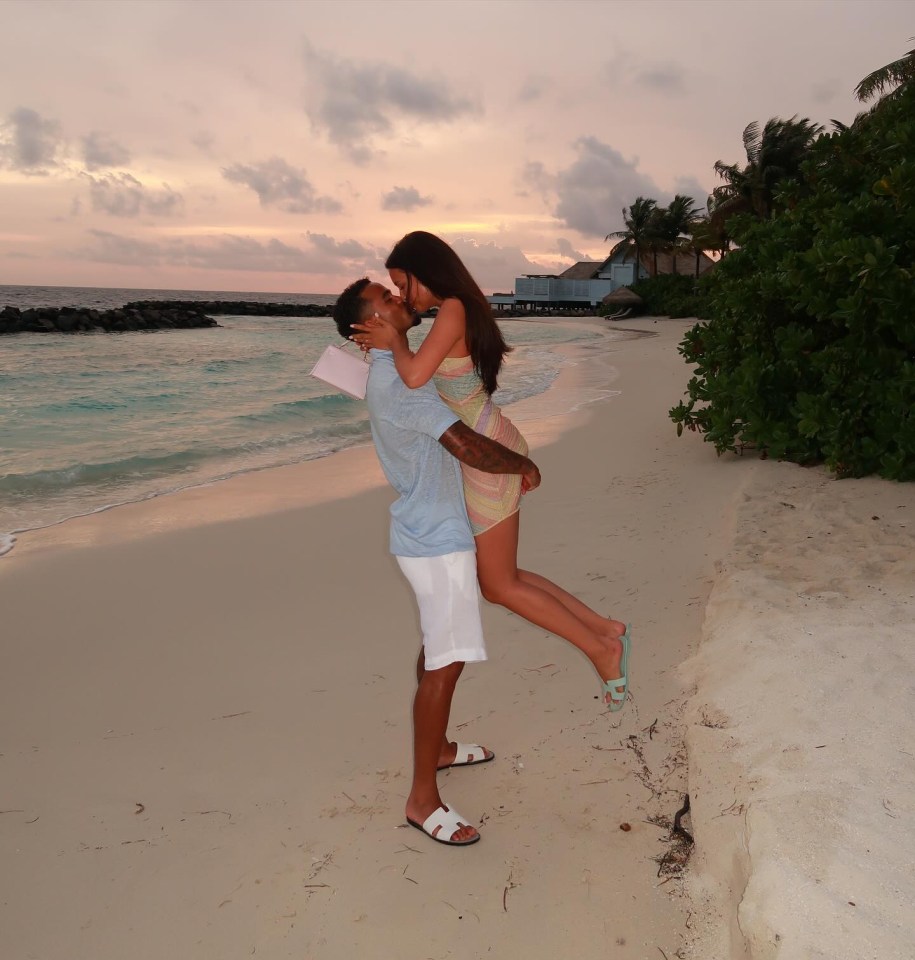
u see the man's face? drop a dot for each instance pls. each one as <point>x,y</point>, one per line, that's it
<point>389,307</point>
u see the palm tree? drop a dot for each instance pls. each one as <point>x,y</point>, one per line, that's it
<point>889,80</point>
<point>719,234</point>
<point>674,221</point>
<point>705,235</point>
<point>657,242</point>
<point>774,154</point>
<point>640,221</point>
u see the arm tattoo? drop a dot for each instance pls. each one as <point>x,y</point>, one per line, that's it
<point>478,451</point>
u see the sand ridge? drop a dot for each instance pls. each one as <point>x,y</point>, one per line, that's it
<point>802,769</point>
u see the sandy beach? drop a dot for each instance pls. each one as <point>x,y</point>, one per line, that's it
<point>205,703</point>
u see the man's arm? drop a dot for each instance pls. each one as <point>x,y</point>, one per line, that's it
<point>487,455</point>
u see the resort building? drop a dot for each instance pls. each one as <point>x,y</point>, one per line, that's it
<point>585,284</point>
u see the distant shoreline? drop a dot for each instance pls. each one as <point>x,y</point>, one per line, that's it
<point>241,303</point>
<point>184,314</point>
<point>106,298</point>
<point>145,315</point>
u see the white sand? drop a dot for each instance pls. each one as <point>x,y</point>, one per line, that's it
<point>204,705</point>
<point>802,732</point>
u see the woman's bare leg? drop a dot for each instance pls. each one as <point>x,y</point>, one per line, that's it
<point>544,603</point>
<point>581,610</point>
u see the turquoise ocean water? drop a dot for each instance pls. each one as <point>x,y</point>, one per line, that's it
<point>88,421</point>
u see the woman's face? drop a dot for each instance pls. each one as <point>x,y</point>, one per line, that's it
<point>416,295</point>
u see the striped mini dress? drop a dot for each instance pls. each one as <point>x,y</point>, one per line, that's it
<point>490,497</point>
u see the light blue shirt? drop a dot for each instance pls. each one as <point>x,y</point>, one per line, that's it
<point>430,518</point>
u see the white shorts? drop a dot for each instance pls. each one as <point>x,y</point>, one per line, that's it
<point>449,607</point>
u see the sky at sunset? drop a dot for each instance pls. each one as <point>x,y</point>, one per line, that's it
<point>285,146</point>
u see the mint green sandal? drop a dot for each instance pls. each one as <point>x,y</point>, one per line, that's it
<point>617,699</point>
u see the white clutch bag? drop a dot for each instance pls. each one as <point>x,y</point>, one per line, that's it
<point>345,371</point>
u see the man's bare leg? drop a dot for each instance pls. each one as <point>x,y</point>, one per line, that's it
<point>431,708</point>
<point>448,750</point>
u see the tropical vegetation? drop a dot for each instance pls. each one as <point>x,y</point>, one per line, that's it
<point>807,349</point>
<point>672,295</point>
<point>654,229</point>
<point>640,221</point>
<point>774,154</point>
<point>888,82</point>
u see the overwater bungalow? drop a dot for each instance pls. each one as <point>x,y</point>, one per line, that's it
<point>586,283</point>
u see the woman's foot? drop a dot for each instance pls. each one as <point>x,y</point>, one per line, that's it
<point>608,663</point>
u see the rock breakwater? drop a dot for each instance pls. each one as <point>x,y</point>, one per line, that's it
<point>83,320</point>
<point>145,315</point>
<point>248,308</point>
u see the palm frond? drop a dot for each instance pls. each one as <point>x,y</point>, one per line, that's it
<point>751,140</point>
<point>727,171</point>
<point>887,78</point>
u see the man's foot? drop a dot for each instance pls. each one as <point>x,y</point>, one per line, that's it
<point>462,755</point>
<point>608,666</point>
<point>444,825</point>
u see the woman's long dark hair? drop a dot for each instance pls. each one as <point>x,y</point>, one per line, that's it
<point>429,259</point>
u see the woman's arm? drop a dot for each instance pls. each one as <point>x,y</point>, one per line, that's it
<point>415,369</point>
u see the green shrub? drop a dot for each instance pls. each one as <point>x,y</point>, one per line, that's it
<point>808,353</point>
<point>672,295</point>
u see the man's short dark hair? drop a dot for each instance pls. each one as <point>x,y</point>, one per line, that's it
<point>349,307</point>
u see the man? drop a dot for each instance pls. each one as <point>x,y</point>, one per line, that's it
<point>417,439</point>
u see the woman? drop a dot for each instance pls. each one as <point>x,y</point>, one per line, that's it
<point>463,354</point>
